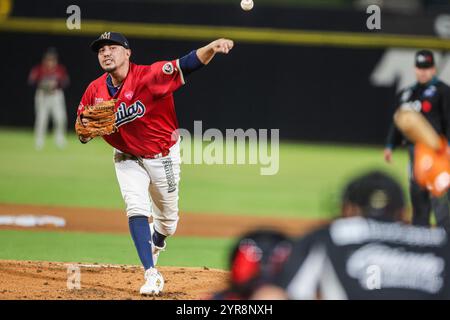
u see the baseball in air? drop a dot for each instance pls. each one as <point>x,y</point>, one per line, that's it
<point>247,5</point>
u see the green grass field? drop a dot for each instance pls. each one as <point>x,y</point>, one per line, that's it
<point>83,176</point>
<point>307,185</point>
<point>109,248</point>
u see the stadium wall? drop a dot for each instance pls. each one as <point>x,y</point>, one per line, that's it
<point>308,86</point>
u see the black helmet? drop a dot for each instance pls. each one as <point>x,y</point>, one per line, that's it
<point>377,195</point>
<point>257,257</point>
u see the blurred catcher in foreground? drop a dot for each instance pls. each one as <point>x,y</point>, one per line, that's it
<point>367,254</point>
<point>255,260</point>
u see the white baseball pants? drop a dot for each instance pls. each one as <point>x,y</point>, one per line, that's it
<point>149,187</point>
<point>50,105</point>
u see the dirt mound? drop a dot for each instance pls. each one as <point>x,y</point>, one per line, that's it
<point>51,280</point>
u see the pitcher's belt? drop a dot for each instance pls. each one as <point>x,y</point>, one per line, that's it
<point>120,156</point>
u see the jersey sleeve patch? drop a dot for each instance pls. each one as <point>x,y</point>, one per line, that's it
<point>168,68</point>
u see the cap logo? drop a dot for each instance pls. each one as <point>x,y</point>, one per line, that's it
<point>421,58</point>
<point>106,35</point>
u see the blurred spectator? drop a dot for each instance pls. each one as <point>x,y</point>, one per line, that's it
<point>255,259</point>
<point>367,254</point>
<point>49,78</point>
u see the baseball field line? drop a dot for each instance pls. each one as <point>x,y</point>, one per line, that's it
<point>241,34</point>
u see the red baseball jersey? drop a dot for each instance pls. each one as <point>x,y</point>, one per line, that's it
<point>40,73</point>
<point>145,109</point>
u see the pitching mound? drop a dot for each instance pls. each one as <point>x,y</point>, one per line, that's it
<point>51,280</point>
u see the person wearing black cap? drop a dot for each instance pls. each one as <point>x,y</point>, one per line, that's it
<point>430,97</point>
<point>146,140</point>
<point>369,253</point>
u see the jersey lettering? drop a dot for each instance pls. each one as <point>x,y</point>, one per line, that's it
<point>125,115</point>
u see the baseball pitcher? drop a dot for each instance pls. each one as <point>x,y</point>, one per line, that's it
<point>132,107</point>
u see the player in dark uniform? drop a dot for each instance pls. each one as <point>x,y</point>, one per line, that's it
<point>254,261</point>
<point>367,254</point>
<point>431,97</point>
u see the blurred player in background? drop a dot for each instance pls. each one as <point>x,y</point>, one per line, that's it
<point>49,78</point>
<point>367,254</point>
<point>430,97</point>
<point>254,261</point>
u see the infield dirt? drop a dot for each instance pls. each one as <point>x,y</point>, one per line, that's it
<point>48,280</point>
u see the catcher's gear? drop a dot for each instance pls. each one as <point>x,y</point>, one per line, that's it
<point>432,168</point>
<point>97,120</point>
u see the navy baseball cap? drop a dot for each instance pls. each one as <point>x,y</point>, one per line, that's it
<point>424,59</point>
<point>110,38</point>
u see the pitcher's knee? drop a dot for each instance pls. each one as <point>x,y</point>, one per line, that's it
<point>137,211</point>
<point>166,227</point>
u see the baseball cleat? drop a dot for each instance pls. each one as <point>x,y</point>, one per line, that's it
<point>155,249</point>
<point>154,283</point>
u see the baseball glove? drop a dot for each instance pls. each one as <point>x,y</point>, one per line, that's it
<point>97,120</point>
